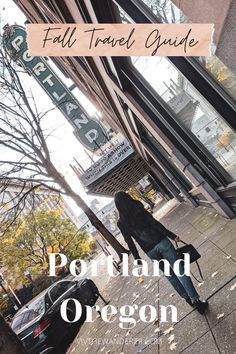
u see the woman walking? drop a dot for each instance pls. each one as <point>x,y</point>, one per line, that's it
<point>135,222</point>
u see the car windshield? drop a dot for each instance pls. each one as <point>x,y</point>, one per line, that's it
<point>30,312</point>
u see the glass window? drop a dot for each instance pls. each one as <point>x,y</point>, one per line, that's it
<point>33,310</point>
<point>192,111</point>
<point>59,289</point>
<point>164,157</point>
<point>220,73</point>
<point>166,11</point>
<point>24,318</point>
<point>124,17</point>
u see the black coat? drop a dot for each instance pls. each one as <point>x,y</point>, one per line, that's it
<point>146,231</point>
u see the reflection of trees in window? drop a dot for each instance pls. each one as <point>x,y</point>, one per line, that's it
<point>166,11</point>
<point>221,73</point>
<point>191,109</point>
<point>124,18</point>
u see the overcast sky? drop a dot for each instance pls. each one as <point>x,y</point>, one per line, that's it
<point>63,146</point>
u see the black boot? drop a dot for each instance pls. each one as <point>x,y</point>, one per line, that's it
<point>201,305</point>
<point>189,301</point>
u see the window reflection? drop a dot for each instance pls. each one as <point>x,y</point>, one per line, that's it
<point>124,17</point>
<point>220,73</point>
<point>167,12</point>
<point>191,109</point>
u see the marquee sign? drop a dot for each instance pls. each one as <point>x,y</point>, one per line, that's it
<point>88,130</point>
<point>107,162</point>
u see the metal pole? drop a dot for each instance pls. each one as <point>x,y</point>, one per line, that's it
<point>90,157</point>
<point>14,294</point>
<point>5,290</point>
<point>79,165</point>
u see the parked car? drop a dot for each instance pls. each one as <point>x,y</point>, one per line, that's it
<point>39,323</point>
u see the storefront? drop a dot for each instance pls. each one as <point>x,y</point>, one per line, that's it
<point>178,113</point>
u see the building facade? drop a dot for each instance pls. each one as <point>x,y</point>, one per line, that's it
<point>39,199</point>
<point>177,112</point>
<point>107,214</point>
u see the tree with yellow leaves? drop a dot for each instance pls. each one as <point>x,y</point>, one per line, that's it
<point>28,242</point>
<point>222,74</point>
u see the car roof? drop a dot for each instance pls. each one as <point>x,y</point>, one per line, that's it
<point>25,307</point>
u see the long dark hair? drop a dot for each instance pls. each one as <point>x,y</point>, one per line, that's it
<point>131,211</point>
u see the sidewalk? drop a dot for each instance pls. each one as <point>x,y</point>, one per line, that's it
<point>215,238</point>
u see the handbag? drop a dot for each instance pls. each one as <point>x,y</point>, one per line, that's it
<point>193,253</point>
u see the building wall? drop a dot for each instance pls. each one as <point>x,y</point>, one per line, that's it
<point>40,200</point>
<point>108,216</point>
<point>226,49</point>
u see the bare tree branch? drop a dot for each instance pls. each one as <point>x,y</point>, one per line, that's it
<point>31,167</point>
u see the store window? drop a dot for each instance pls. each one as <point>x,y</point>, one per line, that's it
<point>167,12</point>
<point>163,156</point>
<point>220,73</point>
<point>191,110</point>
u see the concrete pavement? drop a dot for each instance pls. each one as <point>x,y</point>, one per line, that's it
<point>213,333</point>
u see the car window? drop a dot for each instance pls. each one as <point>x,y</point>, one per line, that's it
<point>38,306</point>
<point>59,289</point>
<point>30,312</point>
<point>19,321</point>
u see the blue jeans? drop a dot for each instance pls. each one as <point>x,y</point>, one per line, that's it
<point>183,285</point>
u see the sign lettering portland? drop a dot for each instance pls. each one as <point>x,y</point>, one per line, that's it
<point>88,130</point>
